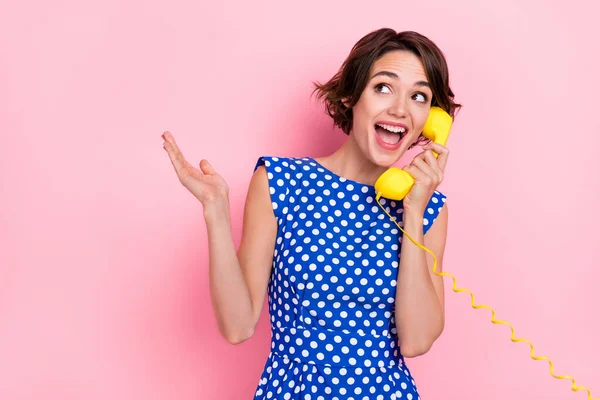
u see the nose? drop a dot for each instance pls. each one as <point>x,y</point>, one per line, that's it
<point>398,107</point>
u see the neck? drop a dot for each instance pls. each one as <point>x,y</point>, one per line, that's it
<point>351,163</point>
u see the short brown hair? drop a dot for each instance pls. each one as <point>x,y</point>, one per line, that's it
<point>349,82</point>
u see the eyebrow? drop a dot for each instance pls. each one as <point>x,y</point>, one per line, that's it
<point>395,76</point>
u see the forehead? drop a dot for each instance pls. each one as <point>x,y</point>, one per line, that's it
<point>403,63</point>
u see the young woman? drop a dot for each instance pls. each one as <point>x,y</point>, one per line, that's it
<point>348,298</point>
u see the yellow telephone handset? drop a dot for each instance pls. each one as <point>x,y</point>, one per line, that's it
<point>395,183</point>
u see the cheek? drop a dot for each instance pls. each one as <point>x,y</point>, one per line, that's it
<point>419,119</point>
<point>370,105</point>
<point>361,117</point>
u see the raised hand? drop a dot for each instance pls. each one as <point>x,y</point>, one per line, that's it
<point>204,183</point>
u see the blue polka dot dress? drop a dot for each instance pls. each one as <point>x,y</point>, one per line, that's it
<point>332,288</point>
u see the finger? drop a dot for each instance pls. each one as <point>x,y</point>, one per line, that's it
<point>422,165</point>
<point>177,164</point>
<point>442,152</point>
<point>176,154</point>
<point>416,172</point>
<point>206,167</point>
<point>428,174</point>
<point>168,137</point>
<point>422,156</point>
<point>430,159</point>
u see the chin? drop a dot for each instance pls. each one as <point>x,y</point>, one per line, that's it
<point>385,160</point>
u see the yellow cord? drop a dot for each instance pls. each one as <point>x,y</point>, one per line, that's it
<point>494,320</point>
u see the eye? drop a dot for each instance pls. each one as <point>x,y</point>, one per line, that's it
<point>381,87</point>
<point>422,97</point>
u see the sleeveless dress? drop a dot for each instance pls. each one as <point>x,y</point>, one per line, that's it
<point>332,287</point>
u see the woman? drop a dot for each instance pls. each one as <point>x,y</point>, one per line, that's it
<point>348,298</point>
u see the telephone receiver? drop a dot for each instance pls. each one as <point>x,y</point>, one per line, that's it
<point>395,183</point>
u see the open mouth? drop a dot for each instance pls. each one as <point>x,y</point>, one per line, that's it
<point>390,134</point>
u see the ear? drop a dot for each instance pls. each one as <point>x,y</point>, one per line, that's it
<point>346,102</point>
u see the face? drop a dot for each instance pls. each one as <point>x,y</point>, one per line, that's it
<point>392,109</point>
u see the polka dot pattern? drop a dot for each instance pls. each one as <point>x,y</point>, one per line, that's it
<point>332,287</point>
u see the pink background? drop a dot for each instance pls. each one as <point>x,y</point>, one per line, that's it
<point>103,260</point>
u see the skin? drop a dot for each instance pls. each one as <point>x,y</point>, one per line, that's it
<point>239,279</point>
<point>396,93</point>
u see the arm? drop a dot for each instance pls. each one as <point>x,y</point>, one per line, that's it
<point>419,292</point>
<point>238,281</point>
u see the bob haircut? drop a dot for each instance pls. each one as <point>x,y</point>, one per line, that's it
<point>349,82</point>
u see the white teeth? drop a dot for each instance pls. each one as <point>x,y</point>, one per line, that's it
<point>395,129</point>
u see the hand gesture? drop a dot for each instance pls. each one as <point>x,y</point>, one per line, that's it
<point>204,183</point>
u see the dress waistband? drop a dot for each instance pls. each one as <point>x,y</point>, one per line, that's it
<point>335,348</point>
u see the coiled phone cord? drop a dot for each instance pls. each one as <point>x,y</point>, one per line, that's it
<point>574,387</point>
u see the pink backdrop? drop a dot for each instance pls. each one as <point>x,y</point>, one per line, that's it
<point>103,260</point>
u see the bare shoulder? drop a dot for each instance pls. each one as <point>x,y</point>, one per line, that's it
<point>258,197</point>
<point>259,180</point>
